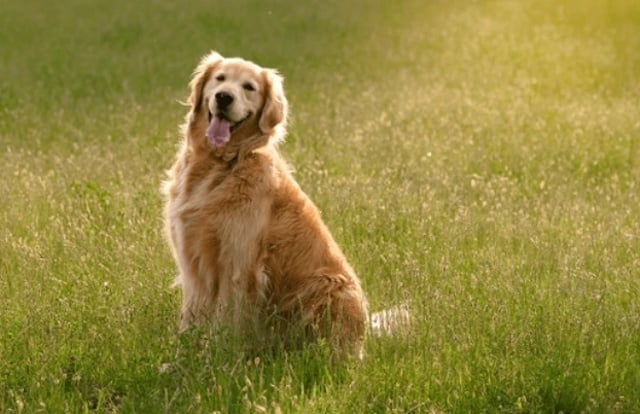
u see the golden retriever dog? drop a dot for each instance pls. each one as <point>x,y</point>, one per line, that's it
<point>250,246</point>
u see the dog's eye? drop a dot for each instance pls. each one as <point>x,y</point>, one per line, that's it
<point>220,77</point>
<point>249,87</point>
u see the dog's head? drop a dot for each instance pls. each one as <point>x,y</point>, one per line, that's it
<point>233,100</point>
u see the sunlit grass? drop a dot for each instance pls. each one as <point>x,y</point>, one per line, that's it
<point>478,160</point>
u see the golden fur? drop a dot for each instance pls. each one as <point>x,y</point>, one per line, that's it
<point>249,244</point>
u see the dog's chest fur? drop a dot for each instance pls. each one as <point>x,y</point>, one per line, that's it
<point>216,214</point>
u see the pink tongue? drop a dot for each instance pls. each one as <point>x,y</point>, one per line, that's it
<point>218,132</point>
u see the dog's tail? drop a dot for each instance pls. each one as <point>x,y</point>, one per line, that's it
<point>391,321</point>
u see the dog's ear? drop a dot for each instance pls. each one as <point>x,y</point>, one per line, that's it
<point>274,110</point>
<point>200,76</point>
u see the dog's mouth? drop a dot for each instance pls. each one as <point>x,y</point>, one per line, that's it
<point>221,127</point>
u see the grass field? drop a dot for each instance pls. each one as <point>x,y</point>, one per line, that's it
<point>480,160</point>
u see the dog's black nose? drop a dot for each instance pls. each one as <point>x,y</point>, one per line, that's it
<point>223,99</point>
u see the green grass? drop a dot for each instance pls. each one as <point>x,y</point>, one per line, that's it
<point>479,159</point>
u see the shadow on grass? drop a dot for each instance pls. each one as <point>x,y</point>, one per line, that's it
<point>218,371</point>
